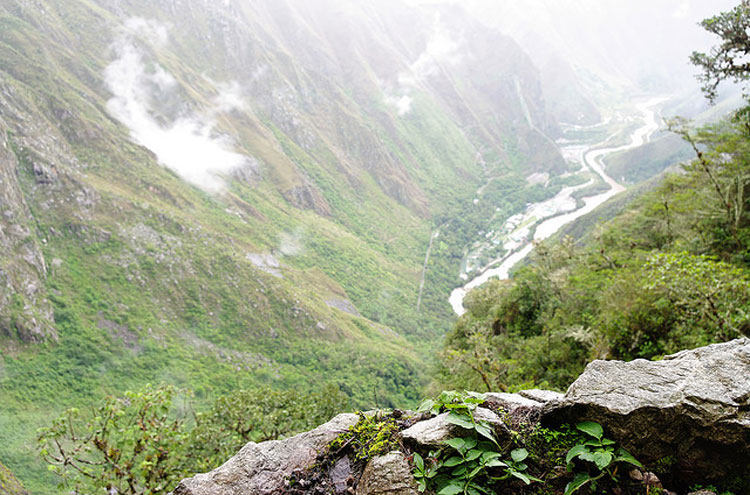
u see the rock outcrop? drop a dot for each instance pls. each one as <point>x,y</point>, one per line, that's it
<point>263,468</point>
<point>388,474</point>
<point>691,409</point>
<point>687,415</point>
<point>25,311</point>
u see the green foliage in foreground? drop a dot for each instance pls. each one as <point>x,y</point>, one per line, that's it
<point>468,465</point>
<point>599,456</point>
<point>144,442</point>
<point>672,272</point>
<point>475,463</point>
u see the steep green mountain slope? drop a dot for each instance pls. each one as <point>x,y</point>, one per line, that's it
<point>224,194</point>
<point>9,484</point>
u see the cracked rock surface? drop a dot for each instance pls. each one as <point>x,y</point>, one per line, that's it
<point>691,408</point>
<point>262,468</point>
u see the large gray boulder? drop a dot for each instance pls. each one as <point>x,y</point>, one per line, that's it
<point>388,474</point>
<point>263,468</point>
<point>435,431</point>
<point>524,407</point>
<point>690,410</point>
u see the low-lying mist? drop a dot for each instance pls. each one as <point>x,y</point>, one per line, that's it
<point>185,142</point>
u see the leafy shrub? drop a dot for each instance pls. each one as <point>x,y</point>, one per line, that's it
<point>599,456</point>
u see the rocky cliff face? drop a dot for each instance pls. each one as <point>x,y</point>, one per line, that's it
<point>685,416</point>
<point>25,311</point>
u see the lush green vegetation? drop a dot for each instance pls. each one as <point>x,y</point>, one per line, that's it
<point>641,163</point>
<point>669,273</point>
<point>153,281</point>
<point>9,484</point>
<point>515,454</point>
<point>145,442</point>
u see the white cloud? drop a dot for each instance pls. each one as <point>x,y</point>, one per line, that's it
<point>442,48</point>
<point>229,97</point>
<point>292,243</point>
<point>188,145</point>
<point>402,104</point>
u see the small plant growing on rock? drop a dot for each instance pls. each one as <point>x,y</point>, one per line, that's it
<point>467,465</point>
<point>599,454</point>
<point>424,472</point>
<point>460,407</point>
<point>373,435</point>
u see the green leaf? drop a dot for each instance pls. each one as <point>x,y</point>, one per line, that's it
<point>579,480</point>
<point>475,472</point>
<point>486,431</point>
<point>488,456</point>
<point>603,459</point>
<point>623,455</point>
<point>470,442</point>
<point>418,462</point>
<point>461,420</point>
<point>452,489</point>
<point>519,455</point>
<point>473,454</point>
<point>426,405</point>
<point>521,476</point>
<point>591,428</point>
<point>588,456</point>
<point>459,471</point>
<point>453,461</point>
<point>575,452</point>
<point>496,463</point>
<point>456,443</point>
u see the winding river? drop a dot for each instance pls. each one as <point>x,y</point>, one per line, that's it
<point>591,159</point>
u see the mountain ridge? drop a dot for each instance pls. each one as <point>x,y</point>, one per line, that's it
<point>335,161</point>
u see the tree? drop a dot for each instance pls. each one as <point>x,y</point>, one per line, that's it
<point>258,415</point>
<point>729,60</point>
<point>141,444</point>
<point>127,445</point>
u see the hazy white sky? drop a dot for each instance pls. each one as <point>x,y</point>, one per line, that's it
<point>642,40</point>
